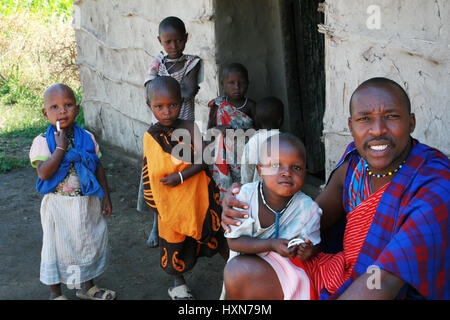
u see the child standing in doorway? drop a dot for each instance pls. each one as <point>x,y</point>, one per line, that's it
<point>180,191</point>
<point>185,68</point>
<point>75,235</point>
<point>234,110</point>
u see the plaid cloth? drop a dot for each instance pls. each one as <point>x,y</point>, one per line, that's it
<point>410,231</point>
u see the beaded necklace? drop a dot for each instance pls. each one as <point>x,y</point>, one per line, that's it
<point>390,173</point>
<point>242,106</point>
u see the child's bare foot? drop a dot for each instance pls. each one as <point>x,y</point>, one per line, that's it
<point>55,291</point>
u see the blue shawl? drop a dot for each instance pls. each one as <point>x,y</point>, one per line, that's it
<point>84,158</point>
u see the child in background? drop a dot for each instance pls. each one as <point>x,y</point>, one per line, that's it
<point>75,235</point>
<point>181,192</point>
<point>234,110</point>
<point>268,120</point>
<point>185,69</point>
<point>278,212</point>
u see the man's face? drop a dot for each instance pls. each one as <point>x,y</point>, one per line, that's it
<point>381,126</point>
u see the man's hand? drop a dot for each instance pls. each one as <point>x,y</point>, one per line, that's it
<point>228,213</point>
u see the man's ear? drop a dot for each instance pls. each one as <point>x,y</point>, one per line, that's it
<point>350,126</point>
<point>412,122</point>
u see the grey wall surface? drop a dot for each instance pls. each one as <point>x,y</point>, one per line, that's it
<point>411,47</point>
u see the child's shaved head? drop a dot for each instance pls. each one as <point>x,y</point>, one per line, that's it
<point>58,88</point>
<point>172,22</point>
<point>234,67</point>
<point>385,83</point>
<point>162,83</point>
<point>269,113</point>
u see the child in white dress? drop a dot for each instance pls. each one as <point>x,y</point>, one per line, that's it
<point>75,235</point>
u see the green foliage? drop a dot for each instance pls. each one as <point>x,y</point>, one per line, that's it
<point>37,49</point>
<point>49,10</point>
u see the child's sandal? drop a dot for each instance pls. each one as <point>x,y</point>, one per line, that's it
<point>90,294</point>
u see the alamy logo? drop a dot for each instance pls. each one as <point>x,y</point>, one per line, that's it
<point>374,280</point>
<point>221,148</point>
<point>73,281</point>
<point>374,19</point>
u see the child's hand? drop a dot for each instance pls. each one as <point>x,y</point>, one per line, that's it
<point>106,206</point>
<point>60,139</point>
<point>280,246</point>
<point>171,180</point>
<point>305,250</point>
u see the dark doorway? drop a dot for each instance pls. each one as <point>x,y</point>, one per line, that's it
<point>305,65</point>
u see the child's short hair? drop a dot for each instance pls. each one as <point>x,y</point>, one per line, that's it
<point>173,22</point>
<point>234,67</point>
<point>161,82</point>
<point>269,113</point>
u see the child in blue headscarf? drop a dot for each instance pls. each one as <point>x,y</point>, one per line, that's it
<point>75,235</point>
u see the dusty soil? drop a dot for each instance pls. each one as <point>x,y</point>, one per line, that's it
<point>133,272</point>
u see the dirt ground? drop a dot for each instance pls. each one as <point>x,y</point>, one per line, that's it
<point>133,272</point>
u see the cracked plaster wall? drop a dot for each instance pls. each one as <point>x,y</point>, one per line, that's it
<point>412,47</point>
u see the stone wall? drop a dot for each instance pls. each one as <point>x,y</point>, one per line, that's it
<point>411,47</point>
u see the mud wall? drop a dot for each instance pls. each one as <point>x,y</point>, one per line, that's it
<point>411,47</point>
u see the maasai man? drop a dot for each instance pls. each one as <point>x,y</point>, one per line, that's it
<point>394,193</point>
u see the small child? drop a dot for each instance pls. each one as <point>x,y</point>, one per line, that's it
<point>181,192</point>
<point>269,114</point>
<point>279,212</point>
<point>234,110</point>
<point>75,235</point>
<point>185,69</point>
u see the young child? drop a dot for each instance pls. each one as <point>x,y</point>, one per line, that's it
<point>268,119</point>
<point>278,212</point>
<point>185,69</point>
<point>181,192</point>
<point>234,110</point>
<point>75,237</point>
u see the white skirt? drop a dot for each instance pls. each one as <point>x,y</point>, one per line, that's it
<point>75,239</point>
